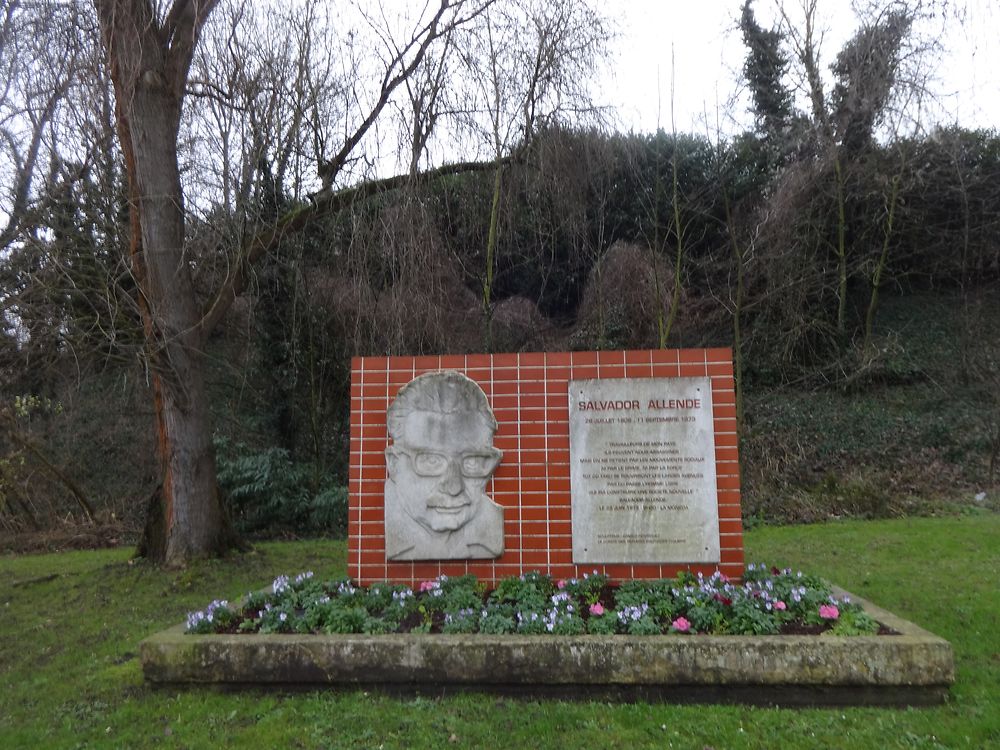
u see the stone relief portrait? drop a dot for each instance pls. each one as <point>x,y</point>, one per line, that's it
<point>438,465</point>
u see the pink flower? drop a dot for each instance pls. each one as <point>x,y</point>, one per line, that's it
<point>828,611</point>
<point>780,606</point>
<point>428,585</point>
<point>560,584</point>
<point>596,609</point>
<point>681,625</point>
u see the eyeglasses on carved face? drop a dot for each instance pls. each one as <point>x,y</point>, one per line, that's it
<point>471,464</point>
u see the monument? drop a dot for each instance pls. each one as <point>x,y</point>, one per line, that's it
<point>562,462</point>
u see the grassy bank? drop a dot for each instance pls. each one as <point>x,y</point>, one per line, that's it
<point>908,430</point>
<point>71,623</point>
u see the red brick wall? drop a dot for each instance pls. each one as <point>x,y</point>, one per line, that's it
<point>529,396</point>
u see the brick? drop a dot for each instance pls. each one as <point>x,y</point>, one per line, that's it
<point>425,571</point>
<point>452,362</point>
<point>535,486</point>
<point>532,370</point>
<point>507,439</point>
<point>506,375</point>
<point>562,571</point>
<point>505,484</point>
<point>557,528</point>
<point>534,513</point>
<point>584,358</point>
<point>372,514</point>
<point>723,396</point>
<point>532,442</point>
<point>664,356</point>
<point>533,456</point>
<point>732,555</point>
<point>559,484</point>
<point>426,363</point>
<point>560,512</point>
<point>371,543</point>
<point>482,571</point>
<point>639,370</point>
<point>648,572</point>
<point>507,420</point>
<point>726,440</point>
<point>505,387</point>
<point>692,370</point>
<point>558,446</point>
<point>532,386</point>
<point>729,511</point>
<point>687,356</point>
<point>638,357</point>
<point>482,375</point>
<point>731,526</point>
<point>532,405</point>
<point>372,557</point>
<point>557,359</point>
<point>534,557</point>
<point>665,370</point>
<point>726,454</point>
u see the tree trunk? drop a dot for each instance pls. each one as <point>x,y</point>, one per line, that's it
<point>192,523</point>
<point>148,63</point>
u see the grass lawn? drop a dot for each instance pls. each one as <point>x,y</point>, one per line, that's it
<point>70,624</point>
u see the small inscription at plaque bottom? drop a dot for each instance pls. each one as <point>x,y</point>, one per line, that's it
<point>643,481</point>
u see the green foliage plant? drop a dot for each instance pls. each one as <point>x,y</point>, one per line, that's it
<point>532,604</point>
<point>267,490</point>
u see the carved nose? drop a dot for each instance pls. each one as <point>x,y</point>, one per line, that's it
<point>451,482</point>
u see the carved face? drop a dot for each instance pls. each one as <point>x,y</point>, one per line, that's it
<point>441,469</point>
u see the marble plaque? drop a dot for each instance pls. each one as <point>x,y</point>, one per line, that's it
<point>438,465</point>
<point>643,482</point>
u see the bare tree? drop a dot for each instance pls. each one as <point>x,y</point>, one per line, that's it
<point>41,56</point>
<point>528,63</point>
<point>150,50</point>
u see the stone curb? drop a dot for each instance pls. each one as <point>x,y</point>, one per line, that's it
<point>914,667</point>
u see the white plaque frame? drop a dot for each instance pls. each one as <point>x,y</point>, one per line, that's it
<point>643,474</point>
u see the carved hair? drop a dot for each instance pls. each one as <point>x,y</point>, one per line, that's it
<point>443,392</point>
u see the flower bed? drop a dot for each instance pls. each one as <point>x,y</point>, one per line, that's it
<point>768,602</point>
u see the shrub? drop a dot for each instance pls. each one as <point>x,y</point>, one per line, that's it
<point>267,490</point>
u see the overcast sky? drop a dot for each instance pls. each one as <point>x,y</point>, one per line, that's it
<point>707,53</point>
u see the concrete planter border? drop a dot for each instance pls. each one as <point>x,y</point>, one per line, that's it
<point>914,667</point>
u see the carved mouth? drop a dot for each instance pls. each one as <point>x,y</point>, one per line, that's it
<point>443,506</point>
